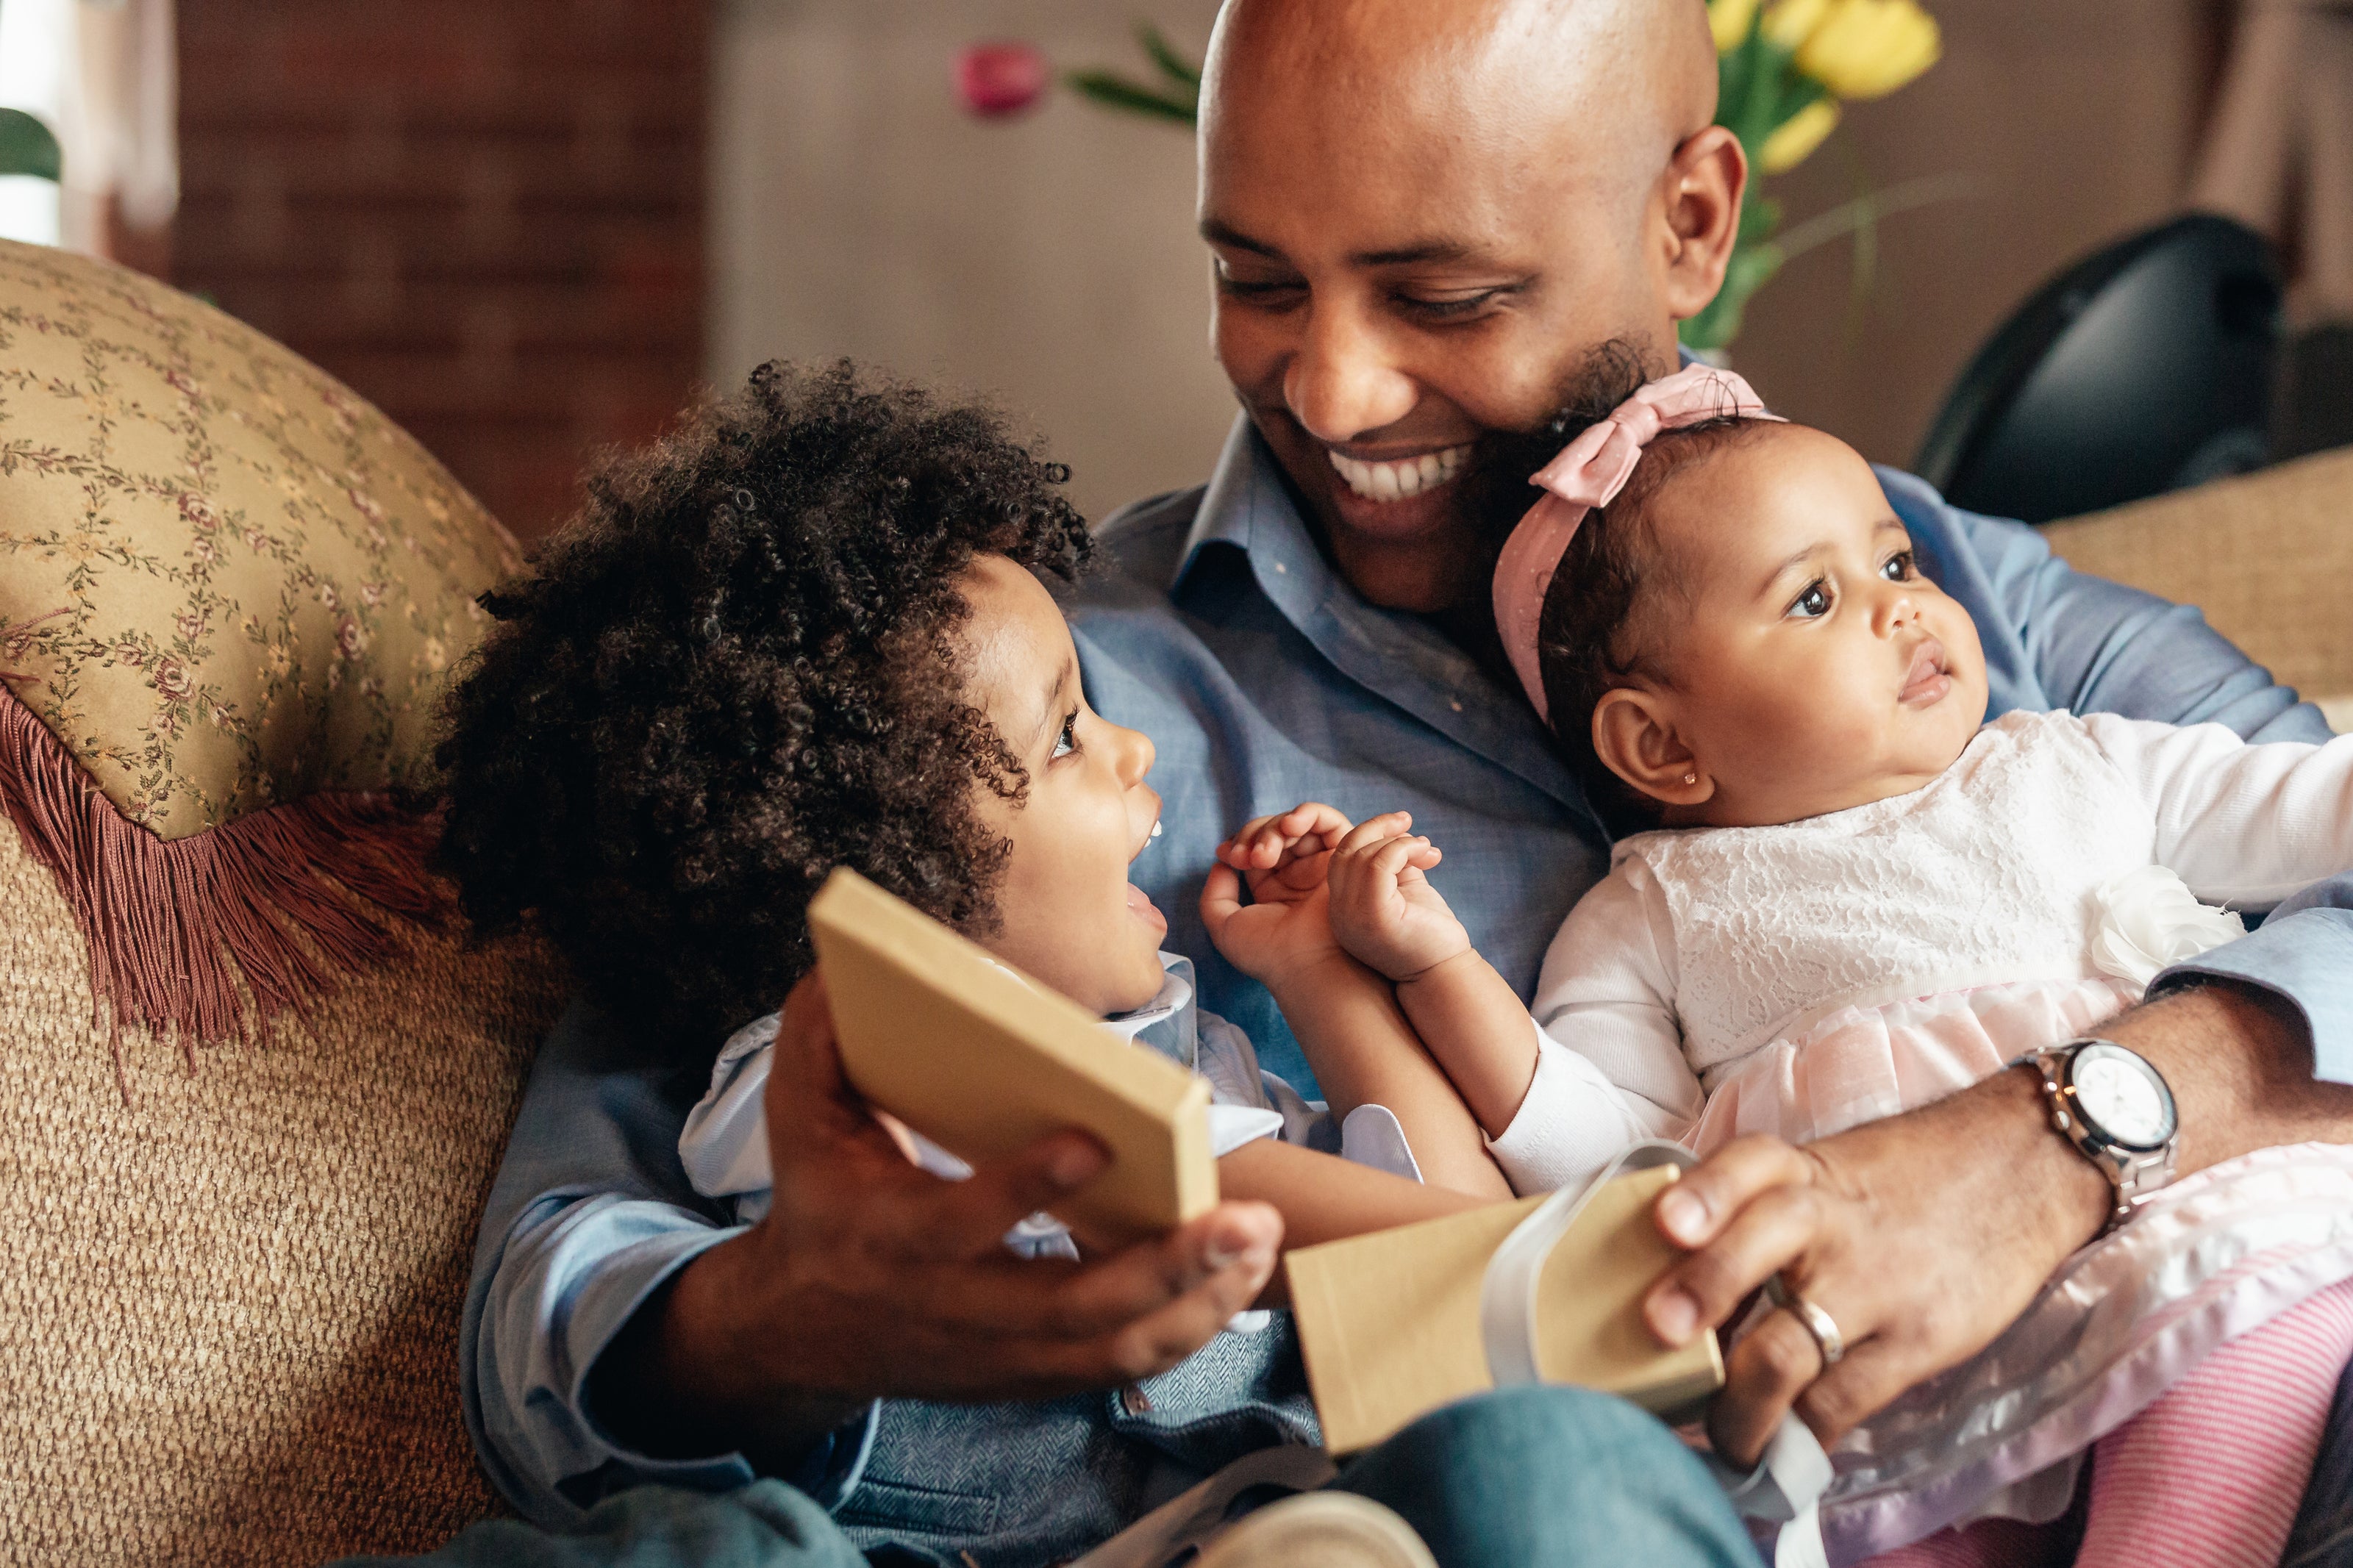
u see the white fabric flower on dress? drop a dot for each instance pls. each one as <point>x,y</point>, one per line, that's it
<point>2149,920</point>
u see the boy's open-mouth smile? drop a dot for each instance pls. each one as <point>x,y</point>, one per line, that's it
<point>1139,903</point>
<point>1929,679</point>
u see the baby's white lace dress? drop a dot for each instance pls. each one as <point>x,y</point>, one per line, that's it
<point>1801,979</point>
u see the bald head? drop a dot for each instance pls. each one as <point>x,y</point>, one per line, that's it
<point>1609,85</point>
<point>1432,219</point>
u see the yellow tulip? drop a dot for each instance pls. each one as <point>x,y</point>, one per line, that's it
<point>1789,23</point>
<point>1797,136</point>
<point>1729,21</point>
<point>1868,48</point>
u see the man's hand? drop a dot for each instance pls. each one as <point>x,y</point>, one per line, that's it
<point>1285,929</point>
<point>1921,1236</point>
<point>1926,1235</point>
<point>870,1278</point>
<point>1384,911</point>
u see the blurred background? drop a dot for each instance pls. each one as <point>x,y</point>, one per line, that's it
<point>529,228</point>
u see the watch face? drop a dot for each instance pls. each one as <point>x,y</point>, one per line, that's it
<point>2121,1097</point>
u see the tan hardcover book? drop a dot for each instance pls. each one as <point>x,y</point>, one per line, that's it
<point>1389,1321</point>
<point>984,1061</point>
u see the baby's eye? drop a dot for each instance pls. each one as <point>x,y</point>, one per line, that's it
<point>1068,741</point>
<point>1811,605</point>
<point>1900,567</point>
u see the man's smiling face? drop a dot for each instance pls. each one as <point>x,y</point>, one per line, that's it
<point>1426,218</point>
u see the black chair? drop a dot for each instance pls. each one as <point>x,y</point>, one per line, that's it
<point>2145,368</point>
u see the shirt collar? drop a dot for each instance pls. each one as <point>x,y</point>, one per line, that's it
<point>1169,1022</point>
<point>1394,654</point>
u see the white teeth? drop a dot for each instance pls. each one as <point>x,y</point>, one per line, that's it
<point>1402,478</point>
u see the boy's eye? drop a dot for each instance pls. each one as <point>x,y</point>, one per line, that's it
<point>1068,741</point>
<point>1900,567</point>
<point>1811,605</point>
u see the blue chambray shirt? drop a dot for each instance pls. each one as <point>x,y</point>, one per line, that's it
<point>1219,631</point>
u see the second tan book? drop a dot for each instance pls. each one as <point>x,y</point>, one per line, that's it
<point>1391,1326</point>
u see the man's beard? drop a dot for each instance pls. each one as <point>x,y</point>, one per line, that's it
<point>1496,492</point>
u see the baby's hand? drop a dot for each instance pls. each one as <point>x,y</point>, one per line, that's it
<point>1282,860</point>
<point>1383,911</point>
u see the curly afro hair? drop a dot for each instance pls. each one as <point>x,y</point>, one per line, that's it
<point>737,669</point>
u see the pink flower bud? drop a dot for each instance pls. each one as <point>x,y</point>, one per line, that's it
<point>999,79</point>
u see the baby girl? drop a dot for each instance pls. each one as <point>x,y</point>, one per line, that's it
<point>1845,895</point>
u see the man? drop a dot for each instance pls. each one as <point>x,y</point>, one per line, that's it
<point>1428,217</point>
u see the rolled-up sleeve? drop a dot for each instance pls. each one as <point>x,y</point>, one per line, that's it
<point>2303,954</point>
<point>590,1215</point>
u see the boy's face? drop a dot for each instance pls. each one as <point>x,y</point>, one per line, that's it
<point>1069,915</point>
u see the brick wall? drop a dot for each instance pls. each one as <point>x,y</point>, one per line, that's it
<point>484,214</point>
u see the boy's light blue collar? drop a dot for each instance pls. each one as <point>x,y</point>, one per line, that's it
<point>1166,1023</point>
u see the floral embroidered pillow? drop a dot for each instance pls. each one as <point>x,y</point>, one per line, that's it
<point>226,582</point>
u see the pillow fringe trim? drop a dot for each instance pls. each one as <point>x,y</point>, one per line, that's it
<point>171,927</point>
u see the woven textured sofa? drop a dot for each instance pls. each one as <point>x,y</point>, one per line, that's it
<point>256,1079</point>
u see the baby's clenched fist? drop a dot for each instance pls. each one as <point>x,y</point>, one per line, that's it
<point>1384,912</point>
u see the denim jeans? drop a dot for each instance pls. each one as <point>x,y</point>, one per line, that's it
<point>1529,1478</point>
<point>1545,1476</point>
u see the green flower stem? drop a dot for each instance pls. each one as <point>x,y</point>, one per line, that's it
<point>1177,68</point>
<point>1117,92</point>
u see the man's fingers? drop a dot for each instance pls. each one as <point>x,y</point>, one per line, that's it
<point>967,1218</point>
<point>902,1135</point>
<point>810,1106</point>
<point>1865,1380</point>
<point>1225,1257</point>
<point>1706,1289</point>
<point>1202,1279</point>
<point>805,1052</point>
<point>1691,1212</point>
<point>1097,1322</point>
<point>1778,1368</point>
<point>1762,1378</point>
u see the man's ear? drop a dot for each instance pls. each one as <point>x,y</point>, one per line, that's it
<point>1635,735</point>
<point>1701,193</point>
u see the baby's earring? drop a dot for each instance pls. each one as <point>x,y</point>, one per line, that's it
<point>1691,778</point>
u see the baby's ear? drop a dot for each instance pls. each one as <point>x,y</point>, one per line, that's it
<point>1635,735</point>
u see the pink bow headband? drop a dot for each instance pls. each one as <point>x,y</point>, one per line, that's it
<point>1589,472</point>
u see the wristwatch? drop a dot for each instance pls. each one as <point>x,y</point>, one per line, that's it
<point>2117,1111</point>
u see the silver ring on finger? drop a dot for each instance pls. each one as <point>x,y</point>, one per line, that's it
<point>1817,1322</point>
